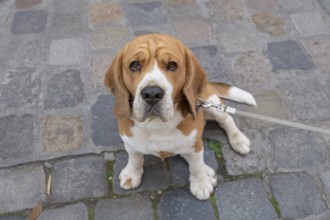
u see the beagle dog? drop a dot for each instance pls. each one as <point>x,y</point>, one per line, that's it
<point>156,82</point>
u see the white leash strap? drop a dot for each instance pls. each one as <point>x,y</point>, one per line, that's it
<point>224,108</point>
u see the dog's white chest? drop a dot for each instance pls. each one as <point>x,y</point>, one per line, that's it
<point>154,136</point>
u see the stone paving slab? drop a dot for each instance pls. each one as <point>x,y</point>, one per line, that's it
<point>20,87</point>
<point>323,216</point>
<point>104,124</point>
<point>138,207</point>
<point>33,21</point>
<point>21,187</point>
<point>180,204</point>
<point>11,218</point>
<point>72,212</point>
<point>244,199</point>
<point>311,105</point>
<point>16,139</point>
<point>297,195</point>
<point>325,176</point>
<point>288,55</point>
<point>64,90</point>
<point>296,149</point>
<point>79,178</point>
<point>253,163</point>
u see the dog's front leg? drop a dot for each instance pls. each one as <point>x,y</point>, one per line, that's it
<point>130,176</point>
<point>202,177</point>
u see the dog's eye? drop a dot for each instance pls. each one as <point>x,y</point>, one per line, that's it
<point>135,66</point>
<point>172,66</point>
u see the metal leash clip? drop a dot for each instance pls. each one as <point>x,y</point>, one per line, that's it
<point>220,107</point>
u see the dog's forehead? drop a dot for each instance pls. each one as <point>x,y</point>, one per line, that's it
<point>154,45</point>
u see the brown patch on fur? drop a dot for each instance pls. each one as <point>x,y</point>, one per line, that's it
<point>196,80</point>
<point>164,154</point>
<point>124,126</point>
<point>189,124</point>
<point>128,182</point>
<point>199,145</point>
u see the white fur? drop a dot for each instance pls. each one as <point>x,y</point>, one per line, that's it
<point>154,135</point>
<point>202,177</point>
<point>239,95</point>
<point>154,78</point>
<point>151,137</point>
<point>132,172</point>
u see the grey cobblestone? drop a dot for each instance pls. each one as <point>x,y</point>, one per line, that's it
<point>325,6</point>
<point>293,149</point>
<point>16,140</point>
<point>288,55</point>
<point>104,125</point>
<point>148,13</point>
<point>72,212</point>
<point>291,191</point>
<point>79,178</point>
<point>239,38</point>
<point>64,90</point>
<point>21,187</point>
<point>270,103</point>
<point>325,176</point>
<point>254,162</point>
<point>183,206</point>
<point>67,51</point>
<point>29,22</point>
<point>316,98</point>
<point>12,218</point>
<point>20,87</point>
<point>3,15</point>
<point>244,199</point>
<point>26,3</point>
<point>210,60</point>
<point>309,24</point>
<point>138,207</point>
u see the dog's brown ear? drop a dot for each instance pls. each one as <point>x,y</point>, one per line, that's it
<point>114,81</point>
<point>196,80</point>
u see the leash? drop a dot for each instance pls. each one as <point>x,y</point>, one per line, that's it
<point>231,110</point>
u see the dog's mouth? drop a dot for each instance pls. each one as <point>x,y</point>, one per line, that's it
<point>151,111</point>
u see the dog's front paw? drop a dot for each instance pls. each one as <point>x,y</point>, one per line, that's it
<point>202,187</point>
<point>129,179</point>
<point>240,143</point>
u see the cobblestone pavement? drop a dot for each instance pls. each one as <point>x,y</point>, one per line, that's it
<point>59,142</point>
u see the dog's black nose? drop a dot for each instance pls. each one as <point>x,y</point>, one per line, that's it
<point>152,94</point>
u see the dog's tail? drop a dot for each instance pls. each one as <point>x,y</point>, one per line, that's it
<point>232,93</point>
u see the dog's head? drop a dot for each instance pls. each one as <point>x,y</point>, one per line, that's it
<point>152,74</point>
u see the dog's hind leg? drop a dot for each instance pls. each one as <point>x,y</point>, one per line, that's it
<point>239,142</point>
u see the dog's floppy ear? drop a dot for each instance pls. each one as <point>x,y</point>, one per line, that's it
<point>114,81</point>
<point>196,80</point>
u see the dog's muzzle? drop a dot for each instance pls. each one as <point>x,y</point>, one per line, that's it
<point>152,97</point>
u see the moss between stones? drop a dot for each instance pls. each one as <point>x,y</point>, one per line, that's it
<point>213,202</point>
<point>216,147</point>
<point>276,206</point>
